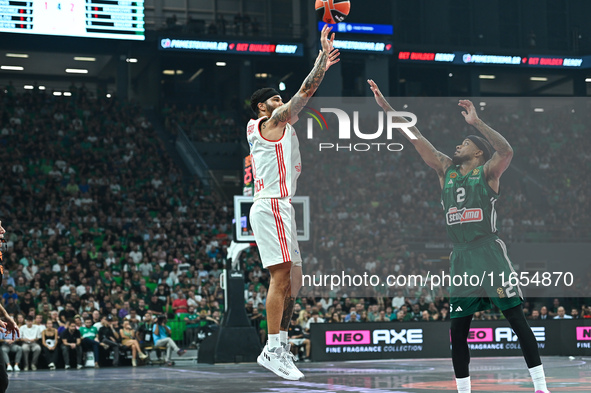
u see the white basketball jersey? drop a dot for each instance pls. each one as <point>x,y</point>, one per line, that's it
<point>276,164</point>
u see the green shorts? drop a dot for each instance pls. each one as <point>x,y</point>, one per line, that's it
<point>485,269</point>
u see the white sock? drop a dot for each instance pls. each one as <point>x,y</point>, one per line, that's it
<point>283,337</point>
<point>274,342</point>
<point>538,378</point>
<point>463,385</point>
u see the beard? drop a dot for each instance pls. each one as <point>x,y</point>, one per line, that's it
<point>458,160</point>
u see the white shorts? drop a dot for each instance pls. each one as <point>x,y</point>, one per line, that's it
<point>274,226</point>
<point>297,341</point>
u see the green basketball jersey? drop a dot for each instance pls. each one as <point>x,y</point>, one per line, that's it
<point>469,205</point>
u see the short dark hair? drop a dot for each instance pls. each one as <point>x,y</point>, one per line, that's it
<point>29,318</point>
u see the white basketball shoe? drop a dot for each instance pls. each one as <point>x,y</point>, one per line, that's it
<point>280,363</point>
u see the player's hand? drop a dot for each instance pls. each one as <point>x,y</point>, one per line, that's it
<point>377,93</point>
<point>11,327</point>
<point>327,44</point>
<point>470,112</point>
<point>333,58</point>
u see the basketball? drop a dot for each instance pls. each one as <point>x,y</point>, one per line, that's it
<point>332,11</point>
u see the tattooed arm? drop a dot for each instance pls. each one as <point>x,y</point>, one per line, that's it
<point>432,157</point>
<point>274,126</point>
<point>500,160</point>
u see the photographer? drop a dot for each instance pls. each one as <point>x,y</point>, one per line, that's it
<point>163,340</point>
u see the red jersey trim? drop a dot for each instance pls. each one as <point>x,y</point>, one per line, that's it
<point>261,134</point>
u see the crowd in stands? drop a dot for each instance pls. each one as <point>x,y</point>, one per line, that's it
<point>240,24</point>
<point>201,123</point>
<point>100,222</point>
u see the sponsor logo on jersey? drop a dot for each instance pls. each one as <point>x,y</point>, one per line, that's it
<point>453,175</point>
<point>298,167</point>
<point>475,172</point>
<point>458,309</point>
<point>250,129</point>
<point>455,216</point>
<point>501,292</point>
<point>450,181</point>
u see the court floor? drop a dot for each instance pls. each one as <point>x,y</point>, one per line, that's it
<point>392,376</point>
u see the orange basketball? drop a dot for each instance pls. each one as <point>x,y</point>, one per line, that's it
<point>332,11</point>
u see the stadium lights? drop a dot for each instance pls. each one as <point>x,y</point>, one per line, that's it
<point>11,68</point>
<point>180,72</point>
<point>131,60</point>
<point>281,86</point>
<point>168,72</point>
<point>539,110</point>
<point>76,71</point>
<point>109,95</point>
<point>28,87</point>
<point>18,55</point>
<point>588,80</point>
<point>67,94</point>
<point>482,103</point>
<point>538,79</point>
<point>81,58</point>
<point>220,63</point>
<point>57,93</point>
<point>41,87</point>
<point>262,75</point>
<point>487,76</point>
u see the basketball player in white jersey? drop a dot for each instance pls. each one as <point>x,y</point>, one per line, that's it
<point>276,162</point>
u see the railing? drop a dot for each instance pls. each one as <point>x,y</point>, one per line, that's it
<point>192,158</point>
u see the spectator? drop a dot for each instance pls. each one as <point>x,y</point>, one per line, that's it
<point>71,341</point>
<point>127,338</point>
<point>193,325</point>
<point>9,346</point>
<point>49,342</point>
<point>10,294</point>
<point>144,331</point>
<point>314,319</point>
<point>30,335</point>
<point>561,313</point>
<point>133,318</point>
<point>179,305</point>
<point>109,338</point>
<point>296,338</point>
<point>554,309</point>
<point>544,313</point>
<point>90,340</point>
<point>163,340</point>
<point>416,314</point>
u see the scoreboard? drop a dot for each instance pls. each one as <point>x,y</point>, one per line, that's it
<point>116,19</point>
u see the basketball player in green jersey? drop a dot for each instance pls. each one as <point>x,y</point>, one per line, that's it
<point>470,189</point>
